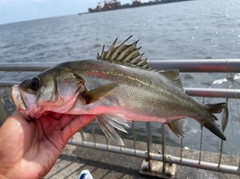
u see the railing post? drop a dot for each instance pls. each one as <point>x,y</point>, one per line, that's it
<point>163,148</point>
<point>153,167</point>
<point>149,143</point>
<point>4,112</point>
<point>134,136</point>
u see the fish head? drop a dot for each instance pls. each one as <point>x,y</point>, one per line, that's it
<point>54,90</point>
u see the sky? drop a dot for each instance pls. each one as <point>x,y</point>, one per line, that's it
<point>22,10</point>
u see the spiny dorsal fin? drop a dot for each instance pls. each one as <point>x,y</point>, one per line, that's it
<point>127,55</point>
<point>173,75</point>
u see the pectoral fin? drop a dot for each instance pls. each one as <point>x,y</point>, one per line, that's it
<point>177,127</point>
<point>98,93</point>
<point>108,122</point>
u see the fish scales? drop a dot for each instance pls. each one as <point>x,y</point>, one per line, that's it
<point>137,89</point>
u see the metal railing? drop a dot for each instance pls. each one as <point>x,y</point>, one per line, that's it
<point>206,65</point>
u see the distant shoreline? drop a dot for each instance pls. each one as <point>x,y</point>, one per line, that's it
<point>116,5</point>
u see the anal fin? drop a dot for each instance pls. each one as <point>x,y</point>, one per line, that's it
<point>177,127</point>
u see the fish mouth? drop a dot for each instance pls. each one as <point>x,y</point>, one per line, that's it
<point>17,98</point>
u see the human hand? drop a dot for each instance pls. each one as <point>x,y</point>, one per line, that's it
<point>29,149</point>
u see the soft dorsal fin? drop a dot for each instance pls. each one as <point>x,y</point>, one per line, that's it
<point>127,55</point>
<point>173,75</point>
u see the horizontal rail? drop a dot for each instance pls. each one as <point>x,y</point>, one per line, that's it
<point>154,156</point>
<point>201,65</point>
<point>26,66</point>
<point>199,92</point>
<point>190,65</point>
<point>8,83</point>
<point>213,92</point>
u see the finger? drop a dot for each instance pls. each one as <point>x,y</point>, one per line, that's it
<point>14,122</point>
<point>51,121</point>
<point>53,114</point>
<point>56,115</point>
<point>74,126</point>
<point>17,115</point>
<point>66,119</point>
<point>16,130</point>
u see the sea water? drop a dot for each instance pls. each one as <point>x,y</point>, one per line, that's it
<point>203,29</point>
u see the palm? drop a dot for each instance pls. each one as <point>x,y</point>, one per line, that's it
<point>34,146</point>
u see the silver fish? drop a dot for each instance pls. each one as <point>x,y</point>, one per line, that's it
<point>116,88</point>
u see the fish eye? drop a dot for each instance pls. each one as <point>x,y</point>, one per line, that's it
<point>35,84</point>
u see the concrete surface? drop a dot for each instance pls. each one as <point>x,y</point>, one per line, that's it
<point>108,165</point>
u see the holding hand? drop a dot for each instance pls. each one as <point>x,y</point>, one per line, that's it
<point>29,149</point>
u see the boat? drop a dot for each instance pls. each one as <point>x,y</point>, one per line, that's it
<point>115,5</point>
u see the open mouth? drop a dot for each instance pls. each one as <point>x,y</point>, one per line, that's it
<point>17,98</point>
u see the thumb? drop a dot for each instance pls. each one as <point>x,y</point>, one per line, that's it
<point>75,125</point>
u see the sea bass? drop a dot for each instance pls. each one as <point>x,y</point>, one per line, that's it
<point>116,88</point>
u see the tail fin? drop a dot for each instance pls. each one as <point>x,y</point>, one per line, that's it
<point>211,123</point>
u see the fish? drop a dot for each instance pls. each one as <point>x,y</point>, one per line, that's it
<point>116,88</point>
